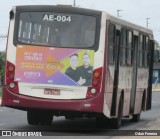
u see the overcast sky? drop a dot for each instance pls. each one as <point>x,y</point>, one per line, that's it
<point>135,11</point>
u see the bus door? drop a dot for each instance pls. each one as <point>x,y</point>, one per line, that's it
<point>134,74</point>
<point>116,72</point>
<point>151,55</point>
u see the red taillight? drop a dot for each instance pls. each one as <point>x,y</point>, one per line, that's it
<point>96,74</point>
<point>10,68</point>
<point>9,77</point>
<point>96,83</point>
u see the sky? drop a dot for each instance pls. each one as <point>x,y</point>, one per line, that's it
<point>135,11</point>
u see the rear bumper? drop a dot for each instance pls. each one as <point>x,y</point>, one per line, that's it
<point>17,101</point>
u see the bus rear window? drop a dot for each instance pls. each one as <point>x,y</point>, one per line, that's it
<point>57,29</point>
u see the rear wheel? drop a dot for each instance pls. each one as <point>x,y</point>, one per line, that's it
<point>45,118</point>
<point>136,117</point>
<point>102,122</point>
<point>69,117</point>
<point>32,117</point>
<point>116,122</point>
<point>35,117</point>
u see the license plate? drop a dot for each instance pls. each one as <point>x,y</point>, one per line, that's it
<point>51,92</point>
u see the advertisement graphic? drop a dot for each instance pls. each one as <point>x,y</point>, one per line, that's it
<point>59,66</point>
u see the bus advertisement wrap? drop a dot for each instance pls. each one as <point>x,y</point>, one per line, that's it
<point>59,66</point>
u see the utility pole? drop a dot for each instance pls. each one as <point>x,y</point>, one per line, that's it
<point>74,3</point>
<point>147,23</point>
<point>118,11</point>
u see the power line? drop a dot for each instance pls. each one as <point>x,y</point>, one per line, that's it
<point>2,53</point>
<point>3,36</point>
<point>36,2</point>
<point>87,4</point>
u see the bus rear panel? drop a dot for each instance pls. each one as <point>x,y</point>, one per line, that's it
<point>50,61</point>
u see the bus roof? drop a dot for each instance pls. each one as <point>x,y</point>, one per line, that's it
<point>56,8</point>
<point>84,10</point>
<point>128,24</point>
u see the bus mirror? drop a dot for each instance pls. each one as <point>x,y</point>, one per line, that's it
<point>11,15</point>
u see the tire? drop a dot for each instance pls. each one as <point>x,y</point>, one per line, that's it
<point>102,122</point>
<point>45,118</point>
<point>32,117</point>
<point>116,122</point>
<point>136,117</point>
<point>69,118</point>
<point>99,123</point>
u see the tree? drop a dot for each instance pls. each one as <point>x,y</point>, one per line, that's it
<point>2,65</point>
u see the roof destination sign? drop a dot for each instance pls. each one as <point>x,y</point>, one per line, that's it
<point>57,17</point>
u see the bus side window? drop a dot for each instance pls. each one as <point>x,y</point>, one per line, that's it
<point>111,43</point>
<point>140,51</point>
<point>123,47</point>
<point>143,51</point>
<point>129,48</point>
<point>146,53</point>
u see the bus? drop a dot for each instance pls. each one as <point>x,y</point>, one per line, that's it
<point>76,62</point>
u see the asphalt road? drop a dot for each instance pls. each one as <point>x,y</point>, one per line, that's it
<point>11,119</point>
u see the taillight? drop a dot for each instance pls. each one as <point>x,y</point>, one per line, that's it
<point>9,77</point>
<point>96,83</point>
